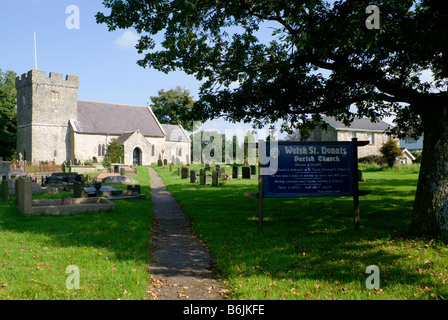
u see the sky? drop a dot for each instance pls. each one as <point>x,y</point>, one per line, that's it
<point>105,61</point>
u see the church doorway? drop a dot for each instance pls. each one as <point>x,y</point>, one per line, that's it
<point>137,157</point>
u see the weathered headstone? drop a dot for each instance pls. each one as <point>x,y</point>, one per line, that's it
<point>235,173</point>
<point>253,169</point>
<point>193,176</point>
<point>78,189</point>
<point>184,173</point>
<point>171,167</point>
<point>215,180</point>
<point>178,171</point>
<point>202,177</point>
<point>24,195</point>
<point>5,190</point>
<point>5,171</point>
<point>165,162</point>
<point>159,162</point>
<point>246,172</point>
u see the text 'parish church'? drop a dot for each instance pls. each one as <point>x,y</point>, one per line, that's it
<point>52,125</point>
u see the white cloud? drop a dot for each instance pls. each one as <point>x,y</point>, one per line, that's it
<point>127,40</point>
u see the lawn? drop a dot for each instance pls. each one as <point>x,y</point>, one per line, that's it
<point>309,248</point>
<point>111,251</point>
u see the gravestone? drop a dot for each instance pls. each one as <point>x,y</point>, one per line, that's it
<point>5,190</point>
<point>5,171</point>
<point>78,189</point>
<point>235,173</point>
<point>253,169</point>
<point>202,177</point>
<point>165,162</point>
<point>24,195</point>
<point>159,162</point>
<point>184,173</point>
<point>178,171</point>
<point>217,167</point>
<point>171,167</point>
<point>215,180</point>
<point>193,176</point>
<point>246,172</point>
<point>207,166</point>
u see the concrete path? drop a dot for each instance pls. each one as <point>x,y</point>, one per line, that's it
<point>181,266</point>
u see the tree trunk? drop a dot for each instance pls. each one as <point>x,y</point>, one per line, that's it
<point>430,214</point>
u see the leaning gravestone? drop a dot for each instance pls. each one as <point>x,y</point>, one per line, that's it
<point>202,177</point>
<point>235,173</point>
<point>193,176</point>
<point>215,180</point>
<point>184,173</point>
<point>246,172</point>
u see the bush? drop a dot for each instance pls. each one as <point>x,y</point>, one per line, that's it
<point>390,151</point>
<point>372,159</point>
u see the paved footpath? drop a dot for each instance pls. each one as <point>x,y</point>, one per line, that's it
<point>181,267</point>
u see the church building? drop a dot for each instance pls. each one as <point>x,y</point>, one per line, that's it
<point>53,125</point>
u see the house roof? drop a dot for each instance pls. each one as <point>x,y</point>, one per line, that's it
<point>363,124</point>
<point>109,118</point>
<point>175,133</point>
<point>124,137</point>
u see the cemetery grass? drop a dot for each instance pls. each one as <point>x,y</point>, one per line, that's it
<point>110,249</point>
<point>309,248</point>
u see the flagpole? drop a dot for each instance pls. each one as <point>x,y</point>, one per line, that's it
<point>35,50</point>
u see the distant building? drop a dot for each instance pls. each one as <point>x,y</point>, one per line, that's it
<point>412,144</point>
<point>377,133</point>
<point>52,125</point>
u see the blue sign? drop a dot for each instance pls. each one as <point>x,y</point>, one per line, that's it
<point>310,169</point>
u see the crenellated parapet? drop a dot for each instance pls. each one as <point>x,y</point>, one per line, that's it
<point>40,77</point>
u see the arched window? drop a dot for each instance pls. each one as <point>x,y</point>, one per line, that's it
<point>180,152</point>
<point>99,150</point>
<point>153,150</point>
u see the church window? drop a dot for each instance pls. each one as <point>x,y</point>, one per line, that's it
<point>180,152</point>
<point>54,95</point>
<point>99,150</point>
<point>153,150</point>
<point>103,150</point>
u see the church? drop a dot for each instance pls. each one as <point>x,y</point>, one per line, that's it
<point>53,125</point>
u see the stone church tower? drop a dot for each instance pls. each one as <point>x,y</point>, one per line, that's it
<point>44,107</point>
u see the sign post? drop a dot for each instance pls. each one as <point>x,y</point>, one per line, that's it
<point>310,169</point>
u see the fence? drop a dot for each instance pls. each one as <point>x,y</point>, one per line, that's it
<point>35,166</point>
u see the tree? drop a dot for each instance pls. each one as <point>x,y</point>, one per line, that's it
<point>390,151</point>
<point>115,151</point>
<point>170,107</point>
<point>8,115</point>
<point>321,58</point>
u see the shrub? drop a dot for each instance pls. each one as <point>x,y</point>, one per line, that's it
<point>372,159</point>
<point>390,151</point>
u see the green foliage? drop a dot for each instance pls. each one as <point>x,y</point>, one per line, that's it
<point>107,161</point>
<point>390,151</point>
<point>114,151</point>
<point>372,159</point>
<point>170,107</point>
<point>418,155</point>
<point>8,115</point>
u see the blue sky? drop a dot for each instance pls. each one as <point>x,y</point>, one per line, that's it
<point>106,62</point>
